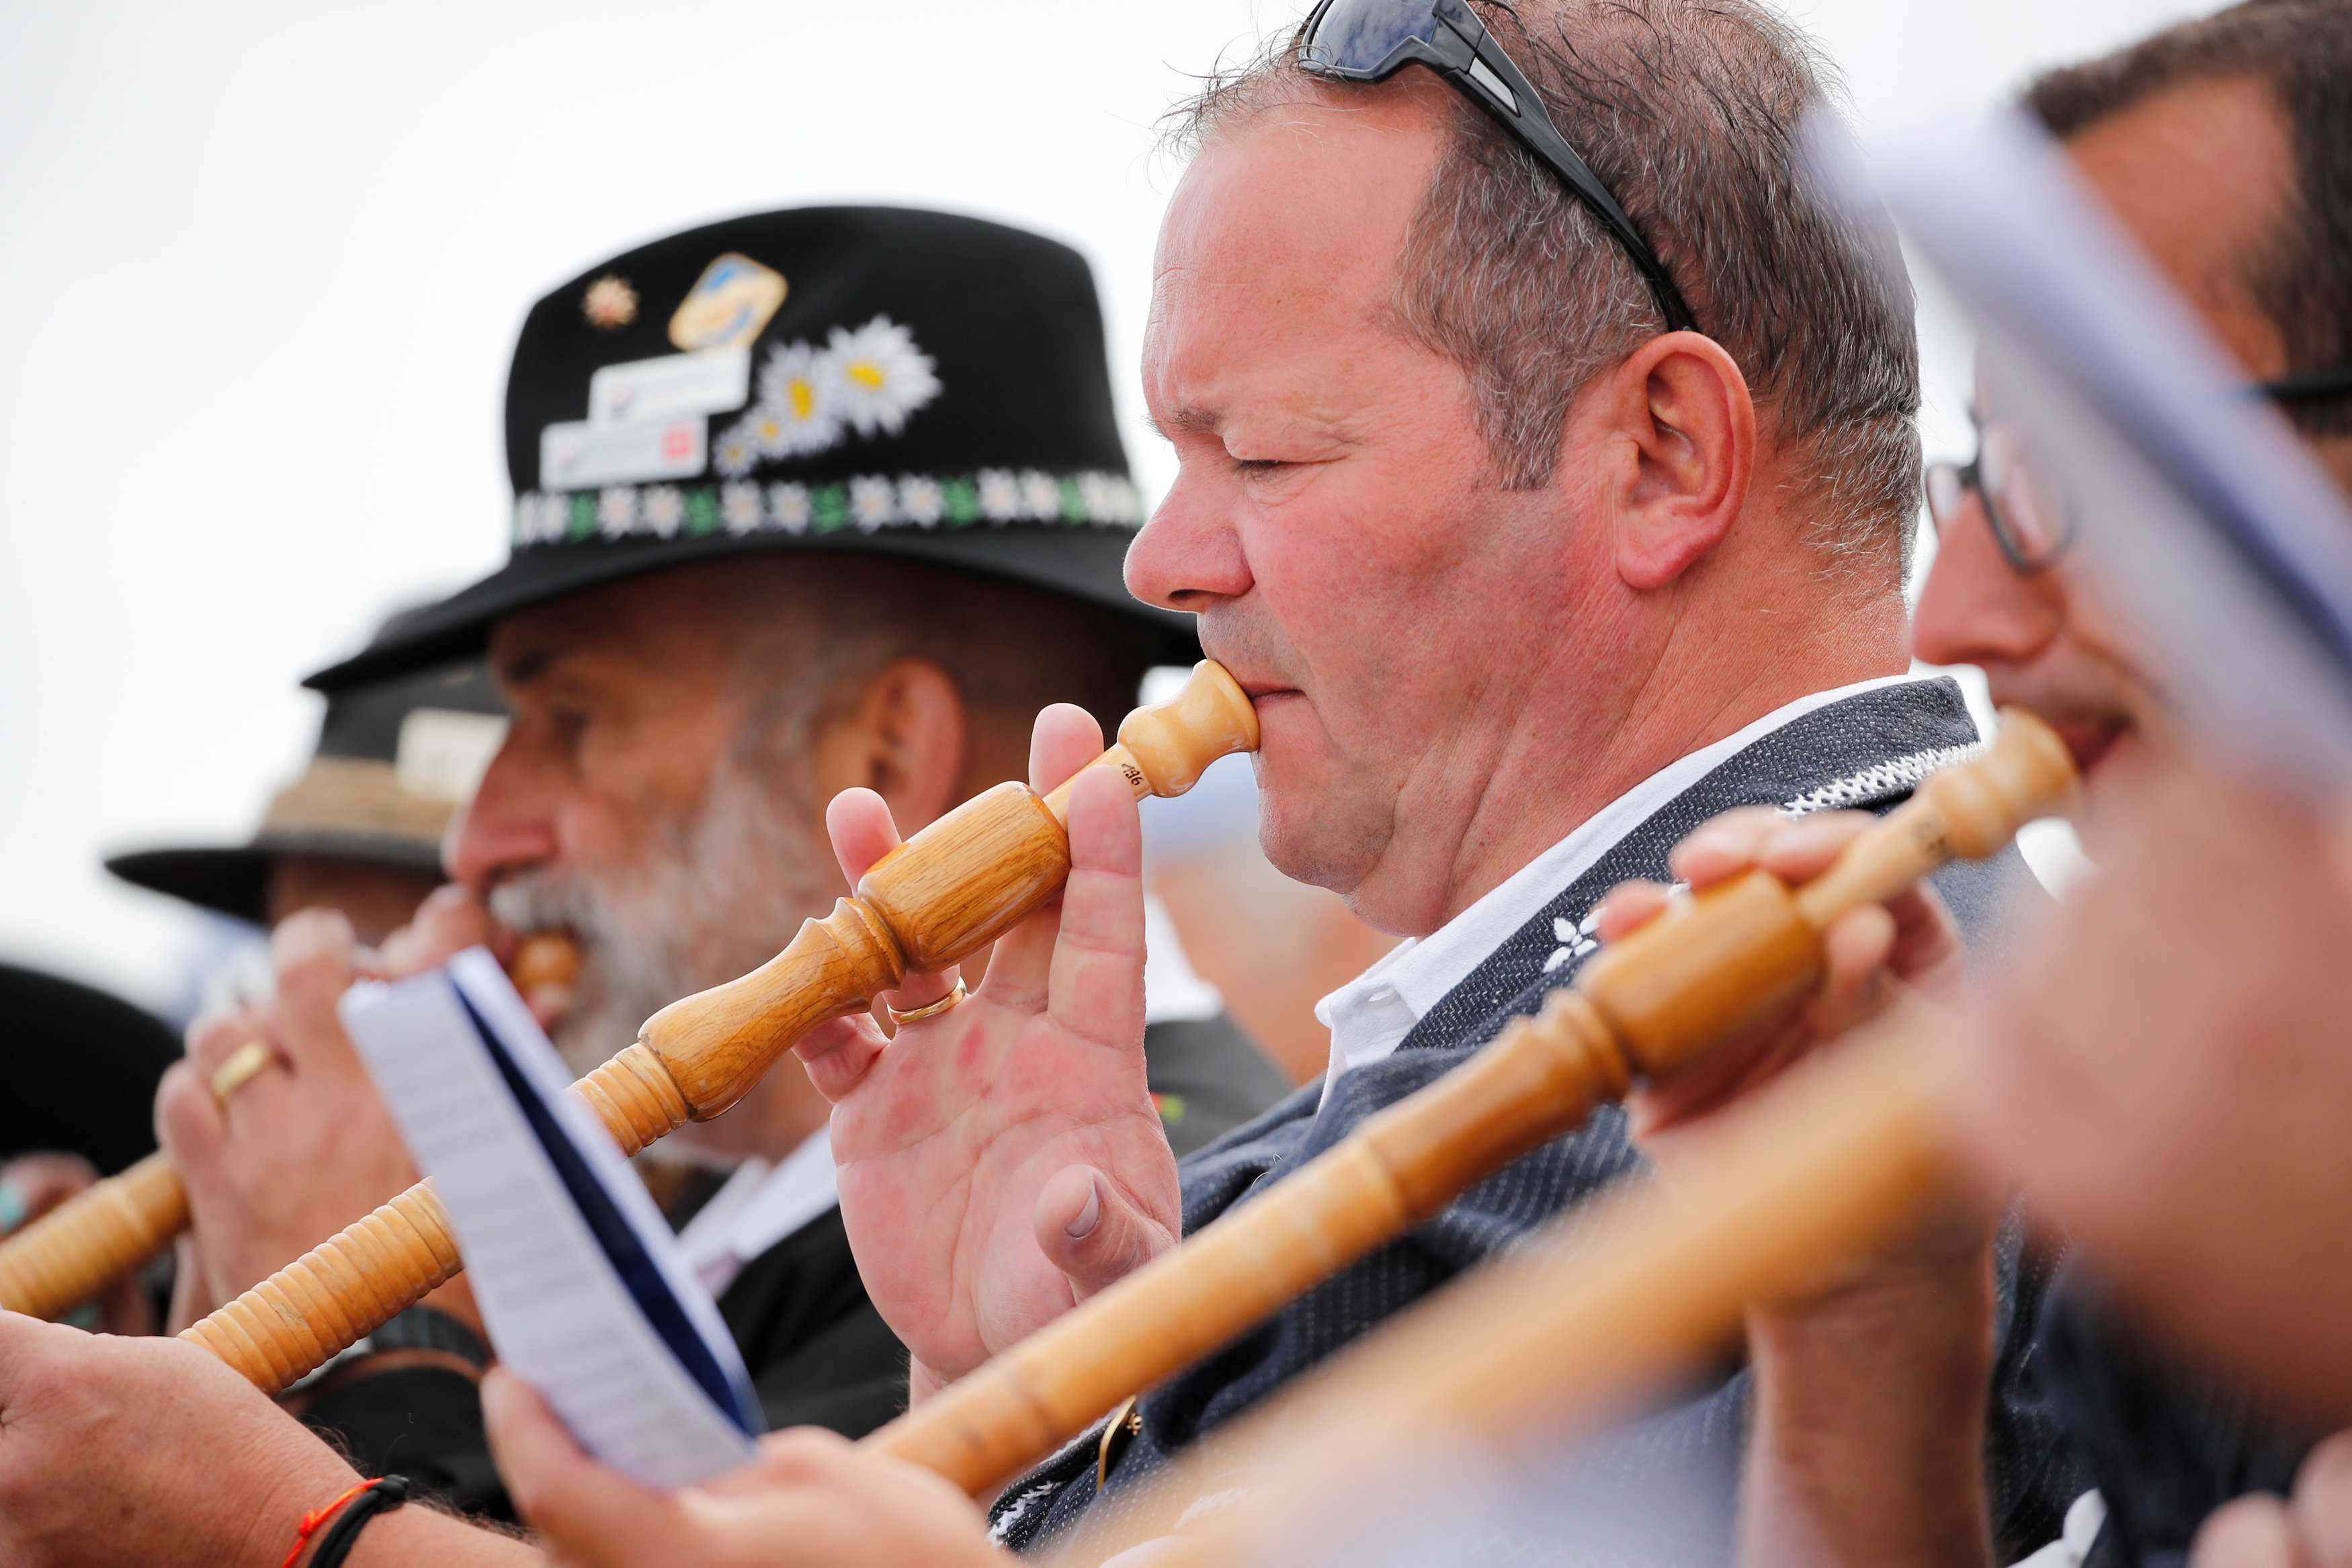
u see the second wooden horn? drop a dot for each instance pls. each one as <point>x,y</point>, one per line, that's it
<point>942,895</point>
<point>1704,974</point>
<point>108,1228</point>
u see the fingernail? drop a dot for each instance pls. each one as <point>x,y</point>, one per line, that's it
<point>1081,1227</point>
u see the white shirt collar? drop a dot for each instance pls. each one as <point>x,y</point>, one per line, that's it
<point>760,1205</point>
<point>1370,1015</point>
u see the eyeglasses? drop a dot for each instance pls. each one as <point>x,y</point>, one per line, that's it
<point>2309,386</point>
<point>2033,523</point>
<point>1371,40</point>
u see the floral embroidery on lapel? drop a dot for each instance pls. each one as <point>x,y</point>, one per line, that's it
<point>1575,941</point>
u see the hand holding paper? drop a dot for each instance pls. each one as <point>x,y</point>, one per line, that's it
<point>577,1275</point>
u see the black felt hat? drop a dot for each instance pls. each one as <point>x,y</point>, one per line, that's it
<point>394,758</point>
<point>82,1068</point>
<point>860,378</point>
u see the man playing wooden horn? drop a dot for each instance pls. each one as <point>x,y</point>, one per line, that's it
<point>1522,587</point>
<point>2182,1118</point>
<point>882,595</point>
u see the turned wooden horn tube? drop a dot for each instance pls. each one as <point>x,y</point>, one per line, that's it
<point>1705,973</point>
<point>941,896</point>
<point>100,1234</point>
<point>1614,1299</point>
<point>93,1238</point>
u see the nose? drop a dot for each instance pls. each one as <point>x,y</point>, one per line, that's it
<point>509,824</point>
<point>1976,609</point>
<point>1189,556</point>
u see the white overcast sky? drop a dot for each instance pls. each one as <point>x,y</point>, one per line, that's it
<point>261,266</point>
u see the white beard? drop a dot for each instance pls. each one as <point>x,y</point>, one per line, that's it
<point>718,893</point>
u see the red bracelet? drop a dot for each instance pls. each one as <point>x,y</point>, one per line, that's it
<point>317,1517</point>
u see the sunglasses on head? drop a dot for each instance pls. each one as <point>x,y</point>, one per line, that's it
<point>1371,40</point>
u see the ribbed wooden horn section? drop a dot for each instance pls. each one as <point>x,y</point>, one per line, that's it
<point>327,1300</point>
<point>71,1253</point>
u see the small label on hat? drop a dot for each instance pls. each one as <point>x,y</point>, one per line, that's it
<point>727,304</point>
<point>580,456</point>
<point>676,386</point>
<point>443,753</point>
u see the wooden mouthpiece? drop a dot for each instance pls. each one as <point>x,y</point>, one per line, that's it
<point>1704,974</point>
<point>943,894</point>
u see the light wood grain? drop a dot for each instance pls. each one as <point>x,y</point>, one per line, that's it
<point>91,1240</point>
<point>1638,1286</point>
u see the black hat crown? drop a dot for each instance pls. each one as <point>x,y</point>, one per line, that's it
<point>874,379</point>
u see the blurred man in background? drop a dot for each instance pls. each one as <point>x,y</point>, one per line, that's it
<point>2224,146</point>
<point>360,831</point>
<point>2165,1110</point>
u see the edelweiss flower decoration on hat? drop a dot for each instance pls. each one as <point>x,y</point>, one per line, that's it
<point>868,381</point>
<point>872,378</point>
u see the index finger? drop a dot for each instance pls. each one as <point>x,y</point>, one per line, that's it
<point>1722,847</point>
<point>317,960</point>
<point>1065,739</point>
<point>859,823</point>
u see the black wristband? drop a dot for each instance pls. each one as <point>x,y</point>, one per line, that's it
<point>422,1328</point>
<point>382,1497</point>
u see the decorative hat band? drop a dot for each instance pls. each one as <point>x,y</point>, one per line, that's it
<point>357,795</point>
<point>867,504</point>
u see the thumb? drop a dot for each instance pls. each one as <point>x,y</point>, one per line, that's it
<point>584,1511</point>
<point>1091,1233</point>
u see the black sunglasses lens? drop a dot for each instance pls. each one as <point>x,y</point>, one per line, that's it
<point>1359,37</point>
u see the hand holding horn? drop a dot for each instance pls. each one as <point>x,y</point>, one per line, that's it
<point>1707,973</point>
<point>948,892</point>
<point>117,1225</point>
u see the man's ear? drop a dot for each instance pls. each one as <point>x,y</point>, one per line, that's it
<point>1678,414</point>
<point>904,737</point>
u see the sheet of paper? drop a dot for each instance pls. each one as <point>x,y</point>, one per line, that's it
<point>577,1275</point>
<point>2202,515</point>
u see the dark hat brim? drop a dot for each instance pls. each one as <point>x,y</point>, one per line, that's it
<point>1073,560</point>
<point>235,881</point>
<point>82,1070</point>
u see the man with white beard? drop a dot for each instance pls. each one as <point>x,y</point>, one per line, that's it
<point>912,543</point>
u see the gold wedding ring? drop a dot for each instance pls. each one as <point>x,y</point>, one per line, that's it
<point>243,1063</point>
<point>916,1015</point>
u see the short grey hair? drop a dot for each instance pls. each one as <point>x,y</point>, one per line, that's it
<point>1690,110</point>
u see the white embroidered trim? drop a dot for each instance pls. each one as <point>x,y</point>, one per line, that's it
<point>867,503</point>
<point>1001,1530</point>
<point>1879,779</point>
